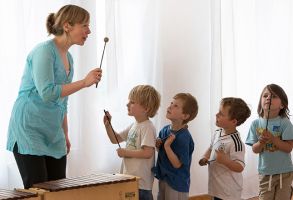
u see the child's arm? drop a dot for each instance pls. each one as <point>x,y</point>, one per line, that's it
<point>259,146</point>
<point>223,158</point>
<point>176,163</point>
<point>285,146</point>
<point>282,145</point>
<point>205,158</point>
<point>159,142</point>
<point>145,152</point>
<point>109,130</point>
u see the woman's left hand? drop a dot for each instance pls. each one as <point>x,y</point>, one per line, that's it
<point>68,144</point>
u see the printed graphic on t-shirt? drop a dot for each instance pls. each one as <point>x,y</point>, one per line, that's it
<point>269,145</point>
<point>221,147</point>
<point>131,140</point>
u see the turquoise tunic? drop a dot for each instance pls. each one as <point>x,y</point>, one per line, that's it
<point>38,112</point>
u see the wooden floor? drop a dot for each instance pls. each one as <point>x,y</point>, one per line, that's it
<point>207,197</point>
<point>256,198</point>
<point>200,197</point>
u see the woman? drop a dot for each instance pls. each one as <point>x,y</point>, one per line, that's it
<point>38,132</point>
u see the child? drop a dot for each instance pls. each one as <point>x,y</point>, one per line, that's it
<point>139,154</point>
<point>225,155</point>
<point>271,136</point>
<point>175,146</point>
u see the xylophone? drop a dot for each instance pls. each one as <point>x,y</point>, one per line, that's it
<point>91,187</point>
<point>14,194</point>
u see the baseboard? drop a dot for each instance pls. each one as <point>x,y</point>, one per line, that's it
<point>207,197</point>
<point>200,197</point>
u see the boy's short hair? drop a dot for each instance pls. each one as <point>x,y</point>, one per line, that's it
<point>148,97</point>
<point>238,109</point>
<point>190,105</point>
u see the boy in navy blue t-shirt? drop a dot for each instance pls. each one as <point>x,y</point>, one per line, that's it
<point>175,147</point>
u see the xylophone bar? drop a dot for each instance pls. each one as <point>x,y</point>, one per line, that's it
<point>91,187</point>
<point>14,194</point>
<point>83,181</point>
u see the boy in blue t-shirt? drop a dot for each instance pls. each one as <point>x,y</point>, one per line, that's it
<point>175,147</point>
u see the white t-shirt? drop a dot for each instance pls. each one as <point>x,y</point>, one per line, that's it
<point>224,183</point>
<point>136,136</point>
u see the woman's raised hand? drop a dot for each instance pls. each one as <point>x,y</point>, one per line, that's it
<point>93,77</point>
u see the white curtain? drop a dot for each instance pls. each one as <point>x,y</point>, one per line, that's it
<point>130,59</point>
<point>211,49</point>
<point>255,50</point>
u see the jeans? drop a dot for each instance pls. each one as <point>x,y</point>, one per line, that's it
<point>145,195</point>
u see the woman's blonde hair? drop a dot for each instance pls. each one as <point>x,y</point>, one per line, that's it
<point>146,96</point>
<point>71,14</point>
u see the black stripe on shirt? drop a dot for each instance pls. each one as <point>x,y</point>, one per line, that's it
<point>237,142</point>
